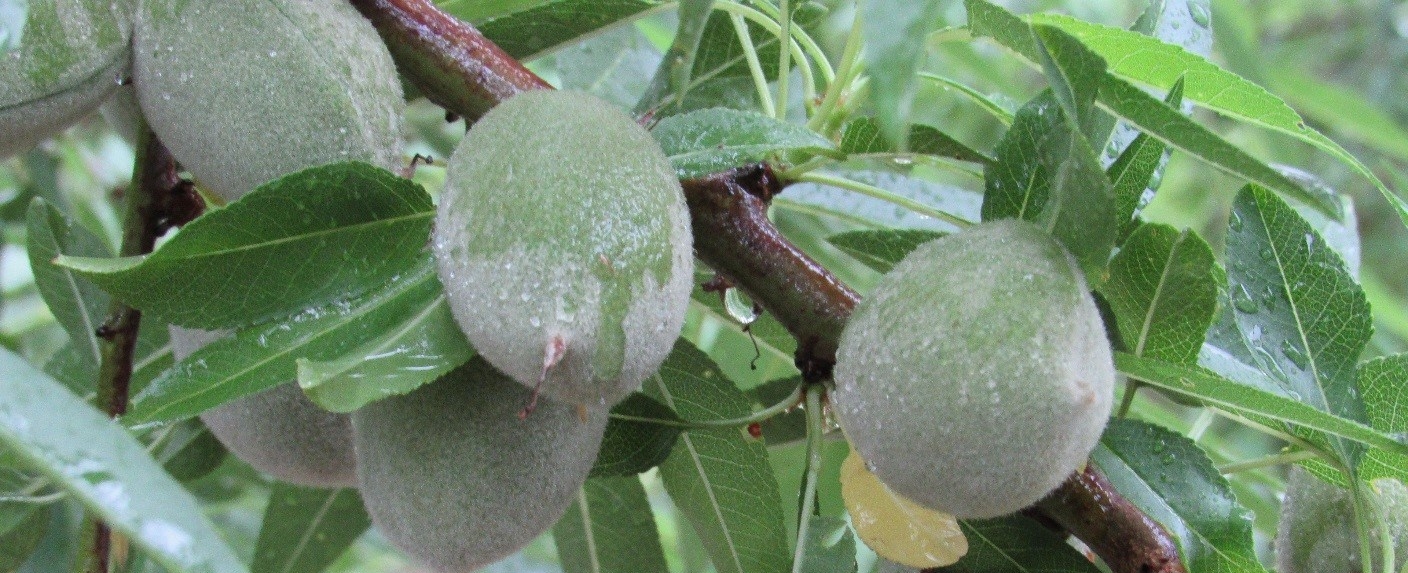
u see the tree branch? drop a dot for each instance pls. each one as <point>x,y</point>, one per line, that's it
<point>447,59</point>
<point>156,200</point>
<point>733,234</point>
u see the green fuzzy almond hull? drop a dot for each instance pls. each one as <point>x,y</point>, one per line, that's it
<point>453,477</point>
<point>278,431</point>
<point>246,91</point>
<point>1316,533</point>
<point>69,58</point>
<point>562,228</point>
<point>977,376</point>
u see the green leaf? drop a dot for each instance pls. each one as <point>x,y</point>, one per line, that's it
<point>1047,173</point>
<point>264,356</point>
<point>79,305</point>
<point>671,80</point>
<point>307,239</point>
<point>720,479</point>
<point>1147,112</point>
<point>1343,110</point>
<point>1151,62</point>
<point>883,249</point>
<point>999,107</point>
<point>1133,173</point>
<point>530,33</point>
<point>305,529</point>
<point>861,136</point>
<point>1016,543</point>
<point>609,529</point>
<point>1162,292</point>
<point>720,76</point>
<point>22,539</point>
<point>1171,480</point>
<point>187,450</point>
<point>830,546</point>
<point>414,352</point>
<point>1074,74</point>
<point>631,447</point>
<point>712,140</point>
<point>1384,383</point>
<point>1300,313</point>
<point>1216,391</point>
<point>894,35</point>
<point>94,459</point>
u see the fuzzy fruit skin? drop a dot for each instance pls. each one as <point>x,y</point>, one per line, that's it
<point>1317,532</point>
<point>70,56</point>
<point>278,431</point>
<point>977,376</point>
<point>453,477</point>
<point>245,91</point>
<point>562,228</point>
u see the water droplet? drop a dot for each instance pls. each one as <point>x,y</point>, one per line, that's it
<point>1267,254</point>
<point>1242,300</point>
<point>1235,223</point>
<point>1294,354</point>
<point>1200,14</point>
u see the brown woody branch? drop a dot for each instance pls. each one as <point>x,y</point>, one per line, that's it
<point>459,69</point>
<point>156,201</point>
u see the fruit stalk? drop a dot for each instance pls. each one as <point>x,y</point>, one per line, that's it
<point>733,235</point>
<point>447,59</point>
<point>148,200</point>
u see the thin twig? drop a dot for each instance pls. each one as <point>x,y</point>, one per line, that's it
<point>156,191</point>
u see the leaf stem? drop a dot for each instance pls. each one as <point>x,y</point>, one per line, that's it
<point>850,57</point>
<point>760,416</point>
<point>772,27</point>
<point>1201,425</point>
<point>1268,461</point>
<point>883,195</point>
<point>784,58</point>
<point>815,431</point>
<point>755,67</point>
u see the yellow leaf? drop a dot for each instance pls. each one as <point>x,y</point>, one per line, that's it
<point>897,528</point>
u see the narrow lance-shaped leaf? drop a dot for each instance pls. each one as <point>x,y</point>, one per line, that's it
<point>530,33</point>
<point>1074,73</point>
<point>1144,111</point>
<point>1016,543</point>
<point>631,446</point>
<point>712,140</point>
<point>1172,481</point>
<point>78,304</point>
<point>264,356</point>
<point>1162,292</point>
<point>307,239</point>
<point>305,529</point>
<point>609,529</point>
<point>894,47</point>
<point>861,136</point>
<point>672,77</point>
<point>1047,173</point>
<point>98,462</point>
<point>1299,311</point>
<point>417,350</point>
<point>881,250</point>
<point>720,479</point>
<point>1384,382</point>
<point>1133,173</point>
<point>1213,390</point>
<point>1151,62</point>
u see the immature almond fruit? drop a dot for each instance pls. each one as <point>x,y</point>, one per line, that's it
<point>452,476</point>
<point>278,431</point>
<point>563,243</point>
<point>977,376</point>
<point>246,91</point>
<point>1317,532</point>
<point>68,56</point>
